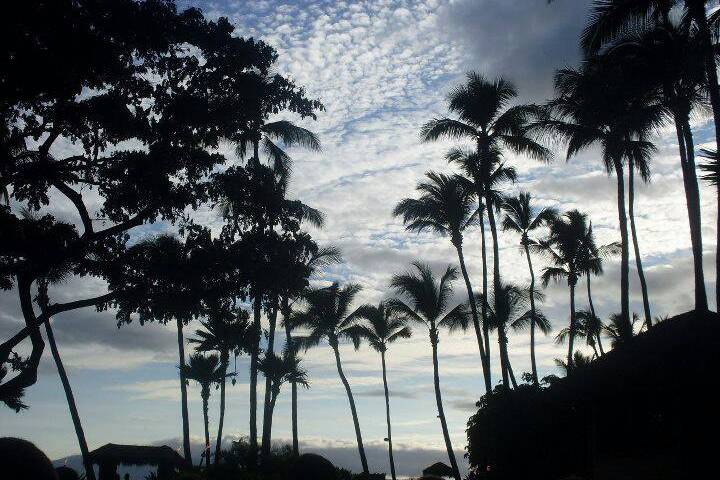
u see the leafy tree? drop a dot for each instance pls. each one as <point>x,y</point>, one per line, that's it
<point>206,371</point>
<point>225,330</point>
<point>447,207</point>
<point>523,218</point>
<point>426,303</point>
<point>328,317</point>
<point>564,247</point>
<point>382,327</point>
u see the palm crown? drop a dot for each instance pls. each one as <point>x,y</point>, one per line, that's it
<point>205,370</point>
<point>564,246</point>
<point>521,217</point>
<point>382,325</point>
<point>328,315</point>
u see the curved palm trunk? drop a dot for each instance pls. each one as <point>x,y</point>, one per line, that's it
<point>387,415</point>
<point>438,399</point>
<point>692,201</point>
<point>87,463</point>
<point>183,393</point>
<point>485,326</point>
<point>353,410</point>
<point>571,340</point>
<point>218,442</point>
<point>511,374</point>
<point>267,412</point>
<point>293,385</point>
<point>592,311</point>
<point>624,255</point>
<point>257,307</point>
<point>473,310</point>
<point>636,244</point>
<point>533,363</point>
<point>697,12</point>
<point>205,398</point>
<point>496,283</point>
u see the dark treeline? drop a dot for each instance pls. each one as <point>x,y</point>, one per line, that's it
<point>120,109</point>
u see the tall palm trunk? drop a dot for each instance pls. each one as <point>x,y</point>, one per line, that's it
<point>293,385</point>
<point>473,309</point>
<point>692,201</point>
<point>353,410</point>
<point>571,340</point>
<point>267,411</point>
<point>485,325</point>
<point>225,360</point>
<point>387,415</point>
<point>87,463</point>
<point>533,363</point>
<point>496,281</point>
<point>183,393</point>
<point>205,398</point>
<point>257,310</point>
<point>511,374</point>
<point>697,12</point>
<point>636,244</point>
<point>438,399</point>
<point>592,311</point>
<point>624,253</point>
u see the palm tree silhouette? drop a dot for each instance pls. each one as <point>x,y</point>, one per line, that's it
<point>523,218</point>
<point>610,19</point>
<point>564,248</point>
<point>280,370</point>
<point>617,330</point>
<point>711,174</point>
<point>578,361</point>
<point>484,117</point>
<point>589,327</point>
<point>428,305</point>
<point>595,105</point>
<point>328,317</point>
<point>226,330</point>
<point>382,327</point>
<point>205,370</point>
<point>447,208</point>
<point>668,58</point>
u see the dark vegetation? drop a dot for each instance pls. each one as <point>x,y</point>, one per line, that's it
<point>121,109</point>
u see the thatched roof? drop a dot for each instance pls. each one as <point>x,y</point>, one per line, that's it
<point>438,469</point>
<point>137,455</point>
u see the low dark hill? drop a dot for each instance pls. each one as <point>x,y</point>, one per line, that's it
<point>646,410</point>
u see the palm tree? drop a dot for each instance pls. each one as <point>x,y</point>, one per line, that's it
<point>579,361</point>
<point>668,59</point>
<point>226,330</point>
<point>447,208</point>
<point>523,218</point>
<point>618,330</point>
<point>43,301</point>
<point>428,305</point>
<point>484,117</point>
<point>583,330</point>
<point>205,370</point>
<point>610,19</point>
<point>564,249</point>
<point>592,328</point>
<point>591,260</point>
<point>280,370</point>
<point>382,328</point>
<point>595,105</point>
<point>328,317</point>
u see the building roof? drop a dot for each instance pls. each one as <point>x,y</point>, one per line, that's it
<point>438,469</point>
<point>137,455</point>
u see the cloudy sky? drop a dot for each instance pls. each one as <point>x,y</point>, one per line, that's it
<point>382,68</point>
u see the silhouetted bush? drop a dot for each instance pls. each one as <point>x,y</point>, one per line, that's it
<point>20,459</point>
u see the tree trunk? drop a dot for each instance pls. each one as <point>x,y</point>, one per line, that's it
<point>571,340</point>
<point>496,247</point>
<point>592,311</point>
<point>387,415</point>
<point>624,256</point>
<point>87,463</point>
<point>697,12</point>
<point>473,310</point>
<point>207,429</point>
<point>224,356</point>
<point>267,412</point>
<point>511,374</point>
<point>636,244</point>
<point>293,385</point>
<point>183,393</point>
<point>353,410</point>
<point>533,364</point>
<point>257,310</point>
<point>485,326</point>
<point>692,201</point>
<point>438,399</point>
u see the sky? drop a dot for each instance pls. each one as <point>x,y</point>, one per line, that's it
<point>382,68</point>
